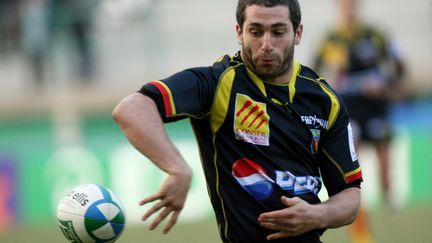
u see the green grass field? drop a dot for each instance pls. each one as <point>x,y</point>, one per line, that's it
<point>411,225</point>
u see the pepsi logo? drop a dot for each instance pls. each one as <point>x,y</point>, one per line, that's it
<point>253,178</point>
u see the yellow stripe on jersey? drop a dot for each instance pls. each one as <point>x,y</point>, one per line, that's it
<point>335,105</point>
<point>257,81</point>
<point>292,82</point>
<point>219,108</point>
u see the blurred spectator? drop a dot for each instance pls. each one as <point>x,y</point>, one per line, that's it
<point>9,25</point>
<point>45,22</point>
<point>76,17</point>
<point>366,70</point>
<point>35,36</point>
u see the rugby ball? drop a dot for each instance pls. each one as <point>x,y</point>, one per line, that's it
<point>91,213</point>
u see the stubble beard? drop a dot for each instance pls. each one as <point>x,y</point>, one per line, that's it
<point>267,72</point>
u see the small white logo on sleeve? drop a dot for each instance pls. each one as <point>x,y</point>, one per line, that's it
<point>351,143</point>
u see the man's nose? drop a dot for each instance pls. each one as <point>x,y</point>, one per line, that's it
<point>267,44</point>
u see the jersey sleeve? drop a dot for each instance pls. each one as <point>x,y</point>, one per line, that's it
<point>339,165</point>
<point>188,93</point>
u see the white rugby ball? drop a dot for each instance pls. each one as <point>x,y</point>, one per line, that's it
<point>91,213</point>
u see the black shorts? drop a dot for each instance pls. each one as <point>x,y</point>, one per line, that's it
<point>369,118</point>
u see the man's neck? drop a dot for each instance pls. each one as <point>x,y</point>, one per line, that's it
<point>284,78</point>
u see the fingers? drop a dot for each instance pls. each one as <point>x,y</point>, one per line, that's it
<point>171,222</point>
<point>289,221</point>
<point>285,230</point>
<point>274,220</point>
<point>159,218</point>
<point>275,216</point>
<point>272,226</point>
<point>153,210</point>
<point>279,235</point>
<point>167,210</point>
<point>162,215</point>
<point>150,199</point>
<point>287,201</point>
<point>169,200</point>
<point>285,213</point>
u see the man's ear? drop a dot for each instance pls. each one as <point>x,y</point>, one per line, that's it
<point>298,34</point>
<point>239,32</point>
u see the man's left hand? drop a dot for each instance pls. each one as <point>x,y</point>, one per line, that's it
<point>297,218</point>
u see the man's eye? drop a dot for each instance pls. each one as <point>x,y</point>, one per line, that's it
<point>255,32</point>
<point>279,33</point>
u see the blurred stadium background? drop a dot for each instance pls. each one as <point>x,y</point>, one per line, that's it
<point>59,84</point>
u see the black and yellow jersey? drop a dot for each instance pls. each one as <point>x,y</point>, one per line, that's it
<point>354,49</point>
<point>259,140</point>
<point>355,58</point>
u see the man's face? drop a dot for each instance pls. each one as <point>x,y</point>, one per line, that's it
<point>267,38</point>
<point>348,10</point>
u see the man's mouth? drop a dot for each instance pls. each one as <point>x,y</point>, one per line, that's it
<point>267,61</point>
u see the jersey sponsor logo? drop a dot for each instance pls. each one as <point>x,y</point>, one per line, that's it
<point>298,184</point>
<point>255,180</point>
<point>315,121</point>
<point>316,136</point>
<point>251,121</point>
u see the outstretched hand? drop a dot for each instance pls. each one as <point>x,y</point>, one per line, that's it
<point>171,196</point>
<point>297,218</point>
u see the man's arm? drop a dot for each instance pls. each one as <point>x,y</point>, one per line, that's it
<point>138,117</point>
<point>300,217</point>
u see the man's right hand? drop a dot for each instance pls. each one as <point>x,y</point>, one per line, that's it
<point>171,196</point>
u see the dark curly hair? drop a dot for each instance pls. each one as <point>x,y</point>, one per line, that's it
<point>293,6</point>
